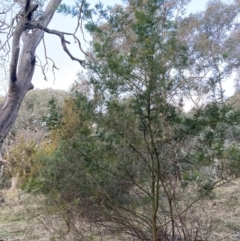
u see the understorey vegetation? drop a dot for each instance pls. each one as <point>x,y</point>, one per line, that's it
<point>119,155</point>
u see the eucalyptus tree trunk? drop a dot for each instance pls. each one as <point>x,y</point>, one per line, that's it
<point>30,30</point>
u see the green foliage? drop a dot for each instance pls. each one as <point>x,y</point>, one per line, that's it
<point>76,170</point>
<point>53,121</point>
<point>27,134</point>
<point>21,160</point>
<point>129,152</point>
<point>81,8</point>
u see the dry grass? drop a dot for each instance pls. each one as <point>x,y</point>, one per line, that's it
<point>22,217</point>
<point>225,209</point>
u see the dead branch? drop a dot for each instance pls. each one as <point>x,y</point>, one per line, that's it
<point>61,35</point>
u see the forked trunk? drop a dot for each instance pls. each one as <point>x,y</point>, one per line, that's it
<point>23,62</point>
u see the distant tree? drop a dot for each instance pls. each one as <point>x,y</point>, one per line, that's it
<point>212,37</point>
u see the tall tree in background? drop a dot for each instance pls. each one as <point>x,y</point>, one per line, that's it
<point>212,37</point>
<point>25,31</point>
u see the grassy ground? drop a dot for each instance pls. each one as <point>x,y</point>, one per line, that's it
<point>22,218</point>
<point>225,207</point>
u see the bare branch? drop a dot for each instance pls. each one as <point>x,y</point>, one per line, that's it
<point>22,65</point>
<point>79,23</point>
<point>27,5</point>
<point>30,11</point>
<point>15,53</point>
<point>63,41</point>
<point>43,67</point>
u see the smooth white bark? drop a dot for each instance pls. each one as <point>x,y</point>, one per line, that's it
<point>22,62</point>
